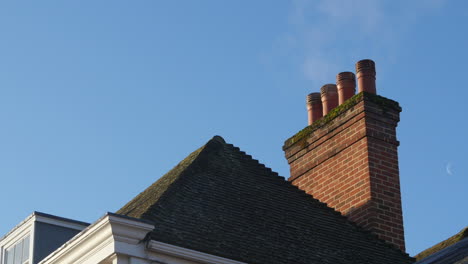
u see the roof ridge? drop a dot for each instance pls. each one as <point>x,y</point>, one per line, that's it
<point>250,158</point>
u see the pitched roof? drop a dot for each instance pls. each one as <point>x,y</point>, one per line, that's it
<point>220,201</point>
<point>455,246</point>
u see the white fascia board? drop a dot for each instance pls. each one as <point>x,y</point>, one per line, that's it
<point>26,225</point>
<point>188,254</point>
<point>97,242</point>
<point>60,222</point>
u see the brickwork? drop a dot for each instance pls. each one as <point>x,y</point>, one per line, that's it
<point>351,163</point>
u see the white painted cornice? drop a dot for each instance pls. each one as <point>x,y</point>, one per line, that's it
<point>129,230</point>
<point>188,254</point>
<point>97,242</point>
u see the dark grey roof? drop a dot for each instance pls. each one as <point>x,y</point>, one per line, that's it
<point>452,250</point>
<point>454,254</point>
<point>220,201</point>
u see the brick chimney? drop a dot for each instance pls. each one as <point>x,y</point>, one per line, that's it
<point>348,158</point>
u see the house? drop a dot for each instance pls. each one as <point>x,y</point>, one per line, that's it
<point>36,237</point>
<point>341,203</point>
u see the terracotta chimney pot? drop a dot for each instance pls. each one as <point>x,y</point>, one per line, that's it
<point>314,107</point>
<point>329,95</point>
<point>346,84</point>
<point>365,72</point>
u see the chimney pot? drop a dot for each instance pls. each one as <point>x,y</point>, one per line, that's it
<point>329,95</point>
<point>346,85</point>
<point>314,107</point>
<point>365,72</point>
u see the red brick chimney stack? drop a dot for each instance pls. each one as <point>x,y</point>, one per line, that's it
<point>348,158</point>
<point>314,107</point>
<point>365,71</point>
<point>346,84</point>
<point>329,98</point>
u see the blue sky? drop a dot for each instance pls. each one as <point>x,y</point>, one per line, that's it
<point>98,99</point>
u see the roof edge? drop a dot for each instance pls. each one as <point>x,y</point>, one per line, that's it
<point>443,244</point>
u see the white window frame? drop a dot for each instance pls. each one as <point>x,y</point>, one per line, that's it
<point>16,242</point>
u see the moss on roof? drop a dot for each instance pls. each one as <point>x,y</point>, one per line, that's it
<point>385,103</point>
<point>139,205</point>
<point>444,244</point>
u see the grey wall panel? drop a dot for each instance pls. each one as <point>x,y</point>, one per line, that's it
<point>48,238</point>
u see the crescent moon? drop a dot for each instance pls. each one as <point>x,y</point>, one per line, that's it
<point>448,168</point>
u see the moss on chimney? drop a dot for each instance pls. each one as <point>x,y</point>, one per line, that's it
<point>384,103</point>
